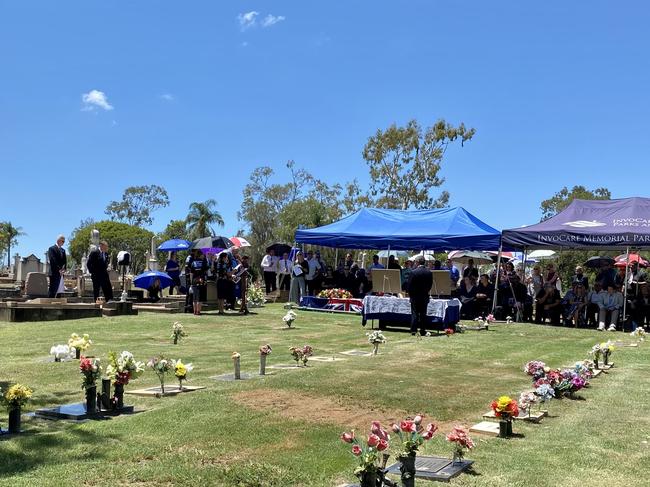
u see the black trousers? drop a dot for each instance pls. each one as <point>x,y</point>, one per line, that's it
<point>55,279</point>
<point>285,282</point>
<point>269,281</point>
<point>104,283</point>
<point>419,316</point>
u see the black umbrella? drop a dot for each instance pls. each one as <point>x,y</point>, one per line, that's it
<point>279,248</point>
<point>597,262</point>
<point>212,243</point>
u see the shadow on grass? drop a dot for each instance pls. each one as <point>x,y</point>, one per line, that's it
<point>37,448</point>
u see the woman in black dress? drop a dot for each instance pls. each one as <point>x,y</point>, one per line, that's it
<point>224,287</point>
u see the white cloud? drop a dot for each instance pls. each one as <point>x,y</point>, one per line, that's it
<point>248,19</point>
<point>167,97</point>
<point>94,99</point>
<point>270,20</point>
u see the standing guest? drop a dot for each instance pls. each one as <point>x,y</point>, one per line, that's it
<point>580,278</point>
<point>419,286</point>
<point>484,295</point>
<point>173,270</point>
<point>392,263</point>
<point>514,299</point>
<point>611,304</point>
<point>154,291</point>
<point>243,284</point>
<point>346,280</point>
<point>641,307</point>
<point>606,276</point>
<point>535,281</point>
<point>270,268</point>
<point>298,273</point>
<point>198,268</point>
<point>58,262</point>
<point>454,274</point>
<point>349,261</point>
<point>636,280</point>
<point>363,285</point>
<point>437,265</point>
<point>321,274</point>
<point>406,273</point>
<point>549,304</point>
<point>551,275</point>
<point>374,265</point>
<point>224,280</point>
<point>284,272</point>
<point>314,269</point>
<point>619,279</point>
<point>98,267</point>
<point>470,270</point>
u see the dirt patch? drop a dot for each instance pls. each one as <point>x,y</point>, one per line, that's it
<point>317,409</point>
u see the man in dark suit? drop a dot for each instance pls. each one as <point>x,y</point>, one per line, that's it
<point>57,259</point>
<point>419,286</point>
<point>98,267</point>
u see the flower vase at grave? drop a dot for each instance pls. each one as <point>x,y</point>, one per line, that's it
<point>77,353</point>
<point>375,348</point>
<point>57,359</point>
<point>606,358</point>
<point>368,478</point>
<point>237,368</point>
<point>106,394</point>
<point>595,362</point>
<point>14,420</point>
<point>407,470</point>
<point>505,427</point>
<point>91,400</point>
<point>119,396</point>
<point>458,457</point>
<point>263,364</point>
<point>175,339</point>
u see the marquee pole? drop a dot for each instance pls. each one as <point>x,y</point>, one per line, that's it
<point>627,267</point>
<point>496,279</point>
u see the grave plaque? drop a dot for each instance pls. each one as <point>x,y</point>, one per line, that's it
<point>486,428</point>
<point>357,353</point>
<point>434,468</point>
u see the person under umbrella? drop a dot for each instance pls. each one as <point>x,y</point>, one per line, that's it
<point>198,268</point>
<point>173,270</point>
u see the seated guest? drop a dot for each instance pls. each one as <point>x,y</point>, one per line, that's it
<point>606,276</point>
<point>392,263</point>
<point>619,278</point>
<point>574,303</point>
<point>484,295</point>
<point>362,286</point>
<point>347,280</point>
<point>454,274</point>
<point>514,299</point>
<point>549,304</point>
<point>580,278</point>
<point>594,298</point>
<point>470,270</point>
<point>535,281</point>
<point>467,296</point>
<point>641,307</point>
<point>406,273</point>
<point>154,291</point>
<point>610,306</point>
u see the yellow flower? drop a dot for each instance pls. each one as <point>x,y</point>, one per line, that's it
<point>503,402</point>
<point>18,394</point>
<point>235,355</point>
<point>181,371</point>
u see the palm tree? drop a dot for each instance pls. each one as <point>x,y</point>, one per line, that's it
<point>201,216</point>
<point>9,236</point>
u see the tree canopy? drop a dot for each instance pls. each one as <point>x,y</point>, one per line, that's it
<point>201,217</point>
<point>560,200</point>
<point>137,204</point>
<point>9,236</point>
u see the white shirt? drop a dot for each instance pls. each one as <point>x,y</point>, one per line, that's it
<point>284,266</point>
<point>313,265</point>
<point>270,263</point>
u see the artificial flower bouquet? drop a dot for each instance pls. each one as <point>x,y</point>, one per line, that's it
<point>91,371</point>
<point>181,370</point>
<point>79,343</point>
<point>505,407</point>
<point>367,452</point>
<point>639,333</point>
<point>255,296</point>
<point>449,332</point>
<point>335,293</point>
<point>376,336</point>
<point>536,369</point>
<point>60,352</point>
<point>265,349</point>
<point>178,332</point>
<point>526,401</point>
<point>412,434</point>
<point>289,318</point>
<point>296,353</point>
<point>17,396</point>
<point>461,440</point>
<point>123,368</point>
<point>544,393</point>
<point>161,366</point>
<point>307,351</point>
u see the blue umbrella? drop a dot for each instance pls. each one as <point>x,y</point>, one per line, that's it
<point>145,280</point>
<point>174,244</point>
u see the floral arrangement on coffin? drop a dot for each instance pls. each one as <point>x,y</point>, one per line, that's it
<point>17,396</point>
<point>178,332</point>
<point>536,369</point>
<point>449,332</point>
<point>639,333</point>
<point>376,338</point>
<point>90,370</point>
<point>255,296</point>
<point>181,370</point>
<point>367,452</point>
<point>461,441</point>
<point>79,343</point>
<point>266,349</point>
<point>161,366</point>
<point>505,407</point>
<point>61,352</point>
<point>123,368</point>
<point>527,400</point>
<point>335,293</point>
<point>290,317</point>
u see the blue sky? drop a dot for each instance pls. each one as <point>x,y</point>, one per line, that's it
<point>182,94</point>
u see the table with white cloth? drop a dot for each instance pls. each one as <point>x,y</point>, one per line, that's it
<point>391,310</point>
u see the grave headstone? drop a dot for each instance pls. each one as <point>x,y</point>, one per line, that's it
<point>31,263</point>
<point>36,285</point>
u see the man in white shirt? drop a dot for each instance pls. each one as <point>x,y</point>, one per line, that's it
<point>611,303</point>
<point>375,265</point>
<point>314,272</point>
<point>270,268</point>
<point>284,272</point>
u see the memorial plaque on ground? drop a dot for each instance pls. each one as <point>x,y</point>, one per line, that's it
<point>319,358</point>
<point>486,428</point>
<point>434,468</point>
<point>619,343</point>
<point>284,366</point>
<point>357,353</point>
<point>231,377</point>
<point>77,412</point>
<point>534,417</point>
<point>157,391</point>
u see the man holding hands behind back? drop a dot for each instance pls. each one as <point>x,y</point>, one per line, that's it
<point>58,261</point>
<point>98,267</point>
<point>419,286</point>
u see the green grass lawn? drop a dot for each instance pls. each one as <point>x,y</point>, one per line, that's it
<point>283,429</point>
